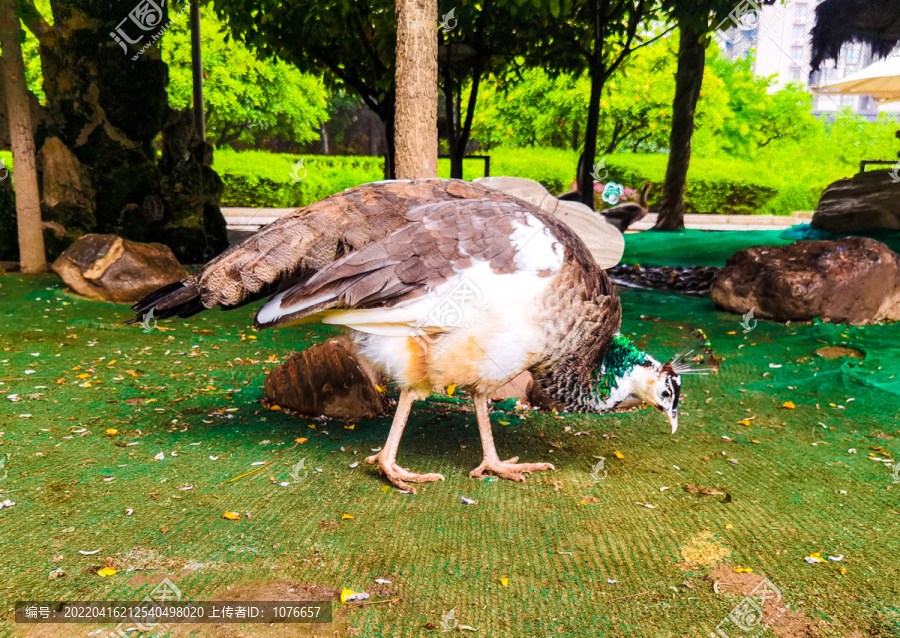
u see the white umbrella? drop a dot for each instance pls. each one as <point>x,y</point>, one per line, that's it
<point>880,81</point>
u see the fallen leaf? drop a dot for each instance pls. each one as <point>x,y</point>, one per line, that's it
<point>347,517</point>
<point>232,516</point>
<point>106,571</point>
<point>789,405</point>
<point>504,581</point>
<point>836,352</point>
<point>618,455</point>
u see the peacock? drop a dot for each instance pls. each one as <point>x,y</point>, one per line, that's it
<point>442,282</point>
<point>625,214</point>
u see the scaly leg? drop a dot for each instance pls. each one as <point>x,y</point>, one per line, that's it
<point>492,464</point>
<point>386,458</point>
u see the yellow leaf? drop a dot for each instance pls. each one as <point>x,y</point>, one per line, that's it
<point>503,422</point>
<point>76,368</point>
<point>733,332</point>
<point>345,594</point>
<point>743,570</point>
<point>842,570</point>
<point>347,517</point>
<point>275,408</point>
<point>350,427</point>
<point>82,376</point>
<point>619,455</point>
<point>728,526</point>
<point>112,432</point>
<point>754,441</point>
<point>744,422</point>
<point>232,516</point>
<point>504,581</point>
<point>450,390</point>
<point>312,426</point>
<point>106,571</point>
<point>301,439</point>
<point>789,405</point>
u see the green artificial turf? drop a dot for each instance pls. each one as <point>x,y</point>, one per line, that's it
<point>690,247</point>
<point>560,538</point>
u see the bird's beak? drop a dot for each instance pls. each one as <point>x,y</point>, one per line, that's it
<point>672,416</point>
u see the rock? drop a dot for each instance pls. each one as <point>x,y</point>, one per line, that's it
<point>329,379</point>
<point>67,196</point>
<point>109,268</point>
<point>866,200</point>
<point>854,280</point>
<point>518,388</point>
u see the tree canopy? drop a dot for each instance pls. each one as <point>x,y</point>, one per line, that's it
<point>246,99</point>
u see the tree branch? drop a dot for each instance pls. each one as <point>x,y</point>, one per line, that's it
<point>33,19</point>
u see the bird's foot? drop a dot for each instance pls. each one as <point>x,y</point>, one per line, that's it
<point>508,469</point>
<point>400,476</point>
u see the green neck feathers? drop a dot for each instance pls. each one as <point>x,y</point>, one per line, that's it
<point>621,358</point>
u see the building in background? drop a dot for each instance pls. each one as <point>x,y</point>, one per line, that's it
<point>779,35</point>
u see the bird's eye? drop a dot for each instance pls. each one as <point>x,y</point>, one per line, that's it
<point>666,394</point>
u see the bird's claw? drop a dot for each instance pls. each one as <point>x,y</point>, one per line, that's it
<point>508,469</point>
<point>400,475</point>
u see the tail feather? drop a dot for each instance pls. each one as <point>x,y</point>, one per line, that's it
<point>181,299</point>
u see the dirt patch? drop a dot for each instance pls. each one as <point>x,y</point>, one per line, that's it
<point>281,590</point>
<point>759,593</point>
<point>140,559</point>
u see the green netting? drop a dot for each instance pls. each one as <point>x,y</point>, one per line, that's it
<point>584,558</point>
<point>689,247</point>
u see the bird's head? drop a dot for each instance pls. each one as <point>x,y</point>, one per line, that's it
<point>627,373</point>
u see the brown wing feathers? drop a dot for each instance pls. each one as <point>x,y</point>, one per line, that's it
<point>297,245</point>
<point>289,251</point>
<point>440,240</point>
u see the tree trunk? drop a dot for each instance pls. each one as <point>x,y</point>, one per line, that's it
<point>415,124</point>
<point>32,258</point>
<point>585,181</point>
<point>688,80</point>
<point>323,134</point>
<point>390,154</point>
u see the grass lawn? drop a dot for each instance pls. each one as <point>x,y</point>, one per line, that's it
<point>613,556</point>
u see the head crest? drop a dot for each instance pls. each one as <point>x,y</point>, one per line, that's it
<point>682,364</point>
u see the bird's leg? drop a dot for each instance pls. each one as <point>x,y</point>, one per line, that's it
<point>492,464</point>
<point>386,458</point>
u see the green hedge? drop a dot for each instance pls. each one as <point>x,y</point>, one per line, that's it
<point>265,180</point>
<point>715,185</point>
<point>724,185</point>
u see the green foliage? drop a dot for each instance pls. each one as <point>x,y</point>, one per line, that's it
<point>31,57</point>
<point>246,99</point>
<point>635,108</point>
<point>752,117</point>
<point>715,185</point>
<point>259,179</point>
<point>554,168</point>
<point>731,186</point>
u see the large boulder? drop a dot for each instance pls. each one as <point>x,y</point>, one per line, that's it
<point>109,268</point>
<point>330,379</point>
<point>854,280</point>
<point>866,200</point>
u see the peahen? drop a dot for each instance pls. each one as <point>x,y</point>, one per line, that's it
<point>443,282</point>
